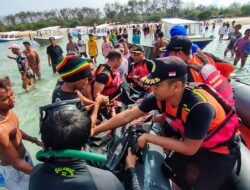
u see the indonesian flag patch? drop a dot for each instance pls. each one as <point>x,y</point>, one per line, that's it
<point>172,74</point>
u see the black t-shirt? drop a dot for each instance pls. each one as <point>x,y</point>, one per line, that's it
<point>76,175</point>
<point>103,76</point>
<point>55,53</point>
<point>199,117</point>
<point>59,95</point>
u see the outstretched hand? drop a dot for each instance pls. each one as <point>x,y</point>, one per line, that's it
<point>101,99</point>
<point>131,159</point>
<point>142,140</point>
<point>39,143</point>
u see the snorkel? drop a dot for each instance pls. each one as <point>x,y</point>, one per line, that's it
<point>48,113</point>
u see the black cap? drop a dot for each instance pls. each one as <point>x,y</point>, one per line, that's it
<point>180,43</point>
<point>138,49</point>
<point>26,42</point>
<point>165,68</point>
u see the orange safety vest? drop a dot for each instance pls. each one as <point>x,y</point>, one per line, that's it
<point>114,80</point>
<point>223,127</point>
<point>203,69</point>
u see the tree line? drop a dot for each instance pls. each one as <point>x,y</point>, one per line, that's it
<point>132,11</point>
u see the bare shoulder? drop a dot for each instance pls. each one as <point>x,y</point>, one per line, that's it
<point>4,136</point>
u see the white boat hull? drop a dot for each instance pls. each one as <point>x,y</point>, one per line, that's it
<point>2,40</point>
<point>45,40</point>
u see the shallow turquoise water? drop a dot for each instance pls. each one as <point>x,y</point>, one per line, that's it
<point>27,104</point>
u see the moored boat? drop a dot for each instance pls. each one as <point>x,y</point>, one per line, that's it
<point>193,30</point>
<point>83,30</point>
<point>43,35</point>
<point>10,36</point>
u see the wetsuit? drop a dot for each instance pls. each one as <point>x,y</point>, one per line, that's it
<point>68,175</point>
<point>60,95</point>
<point>131,180</point>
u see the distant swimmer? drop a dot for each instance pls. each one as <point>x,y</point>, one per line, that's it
<point>22,64</point>
<point>54,52</point>
<point>15,162</point>
<point>33,59</point>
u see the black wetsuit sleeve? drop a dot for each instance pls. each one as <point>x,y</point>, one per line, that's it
<point>198,121</point>
<point>102,78</point>
<point>148,104</point>
<point>131,180</point>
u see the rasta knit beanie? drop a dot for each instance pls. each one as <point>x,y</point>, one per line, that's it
<point>73,68</point>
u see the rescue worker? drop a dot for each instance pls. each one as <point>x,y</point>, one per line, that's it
<point>107,77</point>
<point>196,115</point>
<point>203,67</point>
<point>139,68</point>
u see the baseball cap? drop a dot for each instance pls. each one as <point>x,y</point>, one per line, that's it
<point>14,46</point>
<point>178,30</point>
<point>105,35</point>
<point>165,68</point>
<point>180,43</point>
<point>73,68</point>
<point>138,49</point>
<point>26,42</point>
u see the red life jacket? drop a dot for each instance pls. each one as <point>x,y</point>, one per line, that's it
<point>223,127</point>
<point>139,70</point>
<point>114,79</point>
<point>203,69</point>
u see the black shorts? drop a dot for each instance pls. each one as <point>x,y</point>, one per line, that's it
<point>83,54</point>
<point>213,168</point>
<point>92,57</point>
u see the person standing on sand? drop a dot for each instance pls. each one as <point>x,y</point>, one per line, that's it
<point>240,47</point>
<point>22,64</point>
<point>33,59</point>
<point>15,162</point>
<point>54,53</point>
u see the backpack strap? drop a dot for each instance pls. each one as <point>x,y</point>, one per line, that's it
<point>202,57</point>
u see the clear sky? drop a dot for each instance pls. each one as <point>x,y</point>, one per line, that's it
<point>14,6</point>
